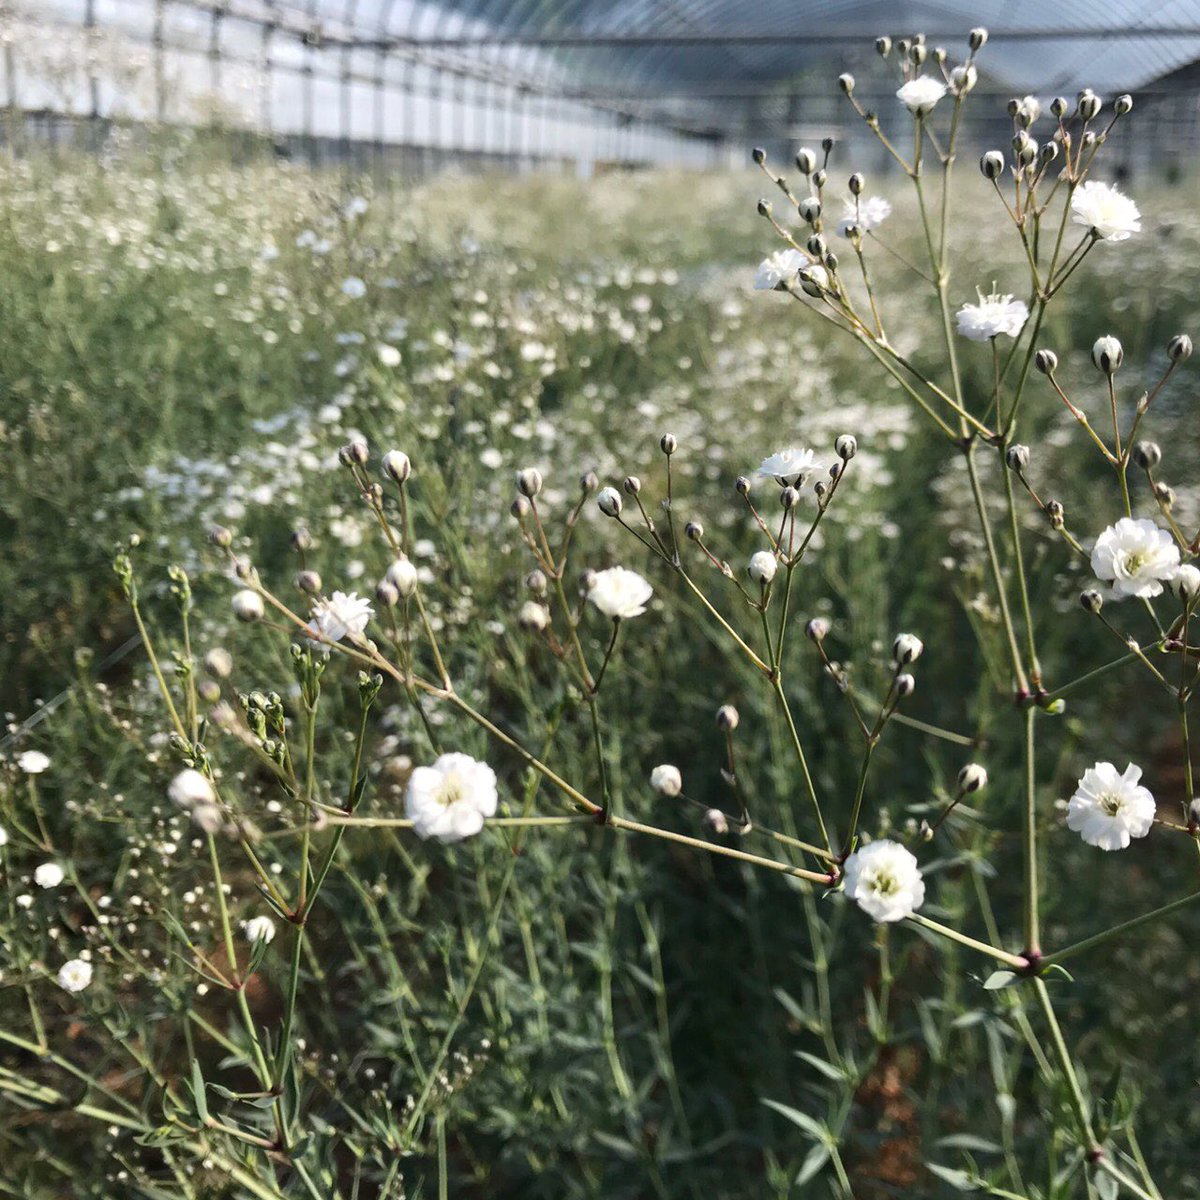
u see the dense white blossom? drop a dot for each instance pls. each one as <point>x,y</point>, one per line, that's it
<point>866,213</point>
<point>619,593</point>
<point>49,875</point>
<point>75,975</point>
<point>791,467</point>
<point>1108,808</point>
<point>1112,216</point>
<point>883,879</point>
<point>450,799</point>
<point>341,615</point>
<point>920,95</point>
<point>995,314</point>
<point>33,762</point>
<point>259,929</point>
<point>778,268</point>
<point>1135,557</point>
<point>666,780</point>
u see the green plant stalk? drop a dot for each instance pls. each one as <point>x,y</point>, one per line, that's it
<point>1099,939</point>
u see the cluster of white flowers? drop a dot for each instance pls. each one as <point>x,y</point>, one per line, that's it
<point>33,762</point>
<point>1100,207</point>
<point>864,214</point>
<point>75,975</point>
<point>779,268</point>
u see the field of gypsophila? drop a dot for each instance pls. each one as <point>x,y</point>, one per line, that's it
<point>267,938</point>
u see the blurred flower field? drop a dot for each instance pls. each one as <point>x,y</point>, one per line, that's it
<point>538,1013</point>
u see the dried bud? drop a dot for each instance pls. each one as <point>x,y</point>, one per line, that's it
<point>1092,601</point>
<point>1147,455</point>
<point>817,629</point>
<point>905,686</point>
<point>762,567</point>
<point>221,537</point>
<point>1179,348</point>
<point>309,581</point>
<point>694,530</point>
<point>248,606</point>
<point>1046,361</point>
<point>386,594</point>
<point>666,780</point>
<point>668,444</point>
<point>397,466</point>
<point>1055,513</point>
<point>609,502</point>
<point>1017,457</point>
<point>727,718</point>
<point>537,582</point>
<point>632,485</point>
<point>992,164</point>
<point>858,181</point>
<point>402,575</point>
<point>972,778</point>
<point>906,649</point>
<point>529,482</point>
<point>1107,354</point>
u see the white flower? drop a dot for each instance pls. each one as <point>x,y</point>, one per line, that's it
<point>354,288</point>
<point>75,975</point>
<point>921,94</point>
<point>259,929</point>
<point>3,836</point>
<point>342,615</point>
<point>1108,809</point>
<point>33,762</point>
<point>1135,557</point>
<point>1110,215</point>
<point>450,800</point>
<point>189,788</point>
<point>402,575</point>
<point>1185,583</point>
<point>993,315</point>
<point>763,566</point>
<point>49,875</point>
<point>248,605</point>
<point>884,881</point>
<point>791,467</point>
<point>666,780</point>
<point>778,268</point>
<point>866,213</point>
<point>389,356</point>
<point>619,593</point>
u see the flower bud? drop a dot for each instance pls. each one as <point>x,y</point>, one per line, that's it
<point>668,444</point>
<point>1179,348</point>
<point>716,820</point>
<point>858,181</point>
<point>1046,361</point>
<point>817,629</point>
<point>402,575</point>
<point>883,46</point>
<point>1147,455</point>
<point>609,502</point>
<point>905,685</point>
<point>1017,457</point>
<point>1123,105</point>
<point>846,83</point>
<point>992,164</point>
<point>963,79</point>
<point>309,581</point>
<point>846,447</point>
<point>1092,601</point>
<point>972,778</point>
<point>529,482</point>
<point>355,453</point>
<point>1107,354</point>
<point>694,530</point>
<point>727,718</point>
<point>1164,494</point>
<point>820,177</point>
<point>809,209</point>
<point>632,485</point>
<point>762,567</point>
<point>520,508</point>
<point>742,485</point>
<point>248,606</point>
<point>1055,513</point>
<point>759,155</point>
<point>806,160</point>
<point>977,38</point>
<point>397,466</point>
<point>537,582</point>
<point>1089,104</point>
<point>764,208</point>
<point>533,616</point>
<point>789,497</point>
<point>219,663</point>
<point>1185,583</point>
<point>666,780</point>
<point>918,53</point>
<point>1060,106</point>
<point>209,690</point>
<point>906,649</point>
<point>1048,153</point>
<point>816,246</point>
<point>386,594</point>
<point>221,537</point>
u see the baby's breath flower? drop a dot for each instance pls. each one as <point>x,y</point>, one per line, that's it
<point>907,648</point>
<point>763,566</point>
<point>864,214</point>
<point>49,875</point>
<point>1185,583</point>
<point>1111,216</point>
<point>248,605</point>
<point>1108,809</point>
<point>450,799</point>
<point>619,593</point>
<point>778,268</point>
<point>342,615</point>
<point>883,879</point>
<point>1135,557</point>
<point>921,95</point>
<point>75,975</point>
<point>791,467</point>
<point>33,762</point>
<point>259,929</point>
<point>994,315</point>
